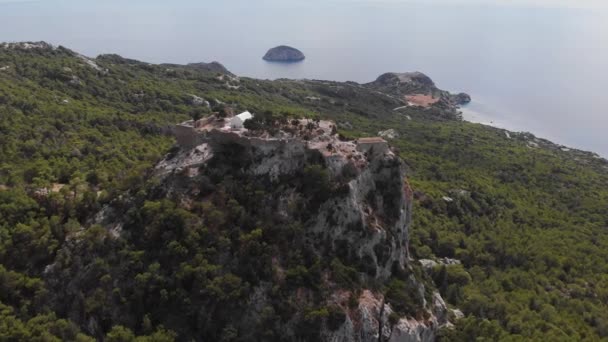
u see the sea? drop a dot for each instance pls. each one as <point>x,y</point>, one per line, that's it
<point>539,66</point>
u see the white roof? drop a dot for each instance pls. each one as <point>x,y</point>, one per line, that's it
<point>245,116</point>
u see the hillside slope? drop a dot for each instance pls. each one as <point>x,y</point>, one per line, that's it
<point>511,229</point>
<point>259,237</point>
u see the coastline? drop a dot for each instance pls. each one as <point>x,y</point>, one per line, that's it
<point>476,112</point>
<point>479,113</point>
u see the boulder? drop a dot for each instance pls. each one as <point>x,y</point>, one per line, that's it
<point>389,134</point>
<point>198,101</point>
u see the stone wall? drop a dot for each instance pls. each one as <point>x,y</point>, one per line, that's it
<point>187,136</point>
<point>374,148</point>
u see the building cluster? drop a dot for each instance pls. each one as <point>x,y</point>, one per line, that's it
<point>192,133</point>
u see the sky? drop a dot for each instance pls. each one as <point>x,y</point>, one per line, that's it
<point>518,3</point>
<point>532,3</point>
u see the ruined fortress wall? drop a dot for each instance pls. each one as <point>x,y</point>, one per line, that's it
<point>375,148</point>
<point>187,136</point>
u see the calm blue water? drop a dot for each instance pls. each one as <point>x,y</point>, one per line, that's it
<point>537,69</point>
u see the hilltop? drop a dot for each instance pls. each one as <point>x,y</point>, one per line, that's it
<point>419,90</point>
<point>111,230</point>
<point>314,227</point>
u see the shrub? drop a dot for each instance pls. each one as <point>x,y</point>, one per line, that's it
<point>403,297</point>
<point>346,277</point>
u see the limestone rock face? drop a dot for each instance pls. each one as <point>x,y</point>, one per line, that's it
<point>284,53</point>
<point>369,321</point>
<point>366,223</point>
<point>373,219</point>
<point>410,330</point>
<point>369,223</point>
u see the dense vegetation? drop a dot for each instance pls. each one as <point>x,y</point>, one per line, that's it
<point>527,220</point>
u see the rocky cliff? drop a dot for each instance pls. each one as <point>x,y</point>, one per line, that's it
<point>305,238</point>
<point>368,220</point>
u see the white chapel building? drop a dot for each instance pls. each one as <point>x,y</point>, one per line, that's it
<point>238,120</point>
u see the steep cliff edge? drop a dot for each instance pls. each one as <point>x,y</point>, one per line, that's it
<point>367,209</point>
<point>302,230</point>
<point>363,217</point>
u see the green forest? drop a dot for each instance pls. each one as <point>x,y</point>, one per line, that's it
<point>527,219</point>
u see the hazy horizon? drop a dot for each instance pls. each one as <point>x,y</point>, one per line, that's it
<point>529,3</point>
<point>536,68</point>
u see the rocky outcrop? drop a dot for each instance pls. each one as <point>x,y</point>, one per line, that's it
<point>414,79</point>
<point>215,67</point>
<point>461,98</point>
<point>284,53</point>
<point>358,229</point>
<point>369,224</point>
<point>429,264</point>
<point>198,101</point>
<point>28,46</point>
<point>417,89</point>
<point>370,321</point>
<point>389,134</point>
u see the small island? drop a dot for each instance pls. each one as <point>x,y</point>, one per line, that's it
<point>285,54</point>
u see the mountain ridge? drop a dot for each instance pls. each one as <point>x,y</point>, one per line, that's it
<point>510,227</point>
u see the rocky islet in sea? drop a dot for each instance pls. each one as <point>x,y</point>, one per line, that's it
<point>284,54</point>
